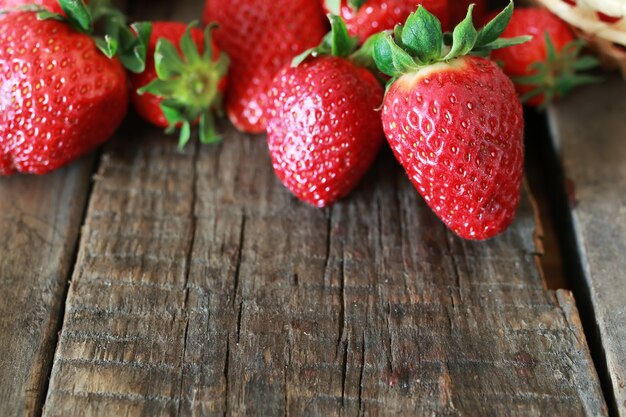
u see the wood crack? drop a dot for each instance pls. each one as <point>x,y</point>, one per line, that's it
<point>242,232</point>
<point>190,249</point>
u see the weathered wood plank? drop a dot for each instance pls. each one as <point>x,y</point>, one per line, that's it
<point>589,129</point>
<point>203,288</point>
<point>39,224</point>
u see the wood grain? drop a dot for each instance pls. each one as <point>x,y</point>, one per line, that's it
<point>593,151</point>
<point>39,224</point>
<point>203,288</point>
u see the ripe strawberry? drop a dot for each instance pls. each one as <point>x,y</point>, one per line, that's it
<point>323,128</point>
<point>261,37</point>
<point>367,17</point>
<point>59,95</point>
<point>546,67</point>
<point>181,90</point>
<point>454,121</point>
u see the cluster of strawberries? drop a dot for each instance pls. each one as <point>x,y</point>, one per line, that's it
<point>451,115</point>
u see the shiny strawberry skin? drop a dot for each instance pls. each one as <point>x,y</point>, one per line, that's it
<point>518,59</point>
<point>324,129</point>
<point>377,15</point>
<point>59,96</point>
<point>261,37</point>
<point>148,105</point>
<point>457,129</point>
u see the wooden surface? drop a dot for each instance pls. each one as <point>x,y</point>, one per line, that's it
<point>39,223</point>
<point>593,150</point>
<point>202,287</point>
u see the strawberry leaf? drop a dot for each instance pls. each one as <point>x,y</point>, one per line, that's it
<point>78,14</point>
<point>342,44</point>
<point>464,37</point>
<point>502,43</point>
<point>188,83</point>
<point>390,58</point>
<point>495,27</point>
<point>422,35</point>
<point>560,73</point>
<point>207,129</point>
<point>107,45</point>
<point>337,42</point>
<point>363,57</point>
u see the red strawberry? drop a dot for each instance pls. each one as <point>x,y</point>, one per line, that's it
<point>454,121</point>
<point>546,67</point>
<point>59,96</point>
<point>261,37</point>
<point>181,90</point>
<point>367,17</point>
<point>323,128</point>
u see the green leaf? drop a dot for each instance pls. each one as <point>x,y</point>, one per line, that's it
<point>422,35</point>
<point>364,56</point>
<point>78,14</point>
<point>207,129</point>
<point>585,63</point>
<point>551,50</point>
<point>24,8</point>
<point>188,46</point>
<point>390,58</point>
<point>333,6</point>
<point>47,15</point>
<point>167,60</point>
<point>184,135</point>
<point>299,59</point>
<point>463,37</point>
<point>342,44</point>
<point>337,42</point>
<point>160,88</point>
<point>107,45</point>
<point>502,43</point>
<point>208,41</point>
<point>496,26</point>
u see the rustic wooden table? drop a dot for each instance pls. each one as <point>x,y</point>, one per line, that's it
<point>145,281</point>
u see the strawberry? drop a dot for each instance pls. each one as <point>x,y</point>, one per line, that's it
<point>60,97</point>
<point>324,129</point>
<point>261,37</point>
<point>181,90</point>
<point>454,121</point>
<point>546,67</point>
<point>367,17</point>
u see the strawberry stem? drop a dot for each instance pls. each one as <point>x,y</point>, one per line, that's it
<point>128,43</point>
<point>188,82</point>
<point>560,73</point>
<point>420,41</point>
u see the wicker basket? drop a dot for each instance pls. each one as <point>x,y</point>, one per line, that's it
<point>589,19</point>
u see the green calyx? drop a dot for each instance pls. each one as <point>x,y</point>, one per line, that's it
<point>188,83</point>
<point>560,73</point>
<point>339,43</point>
<point>420,42</point>
<point>334,6</point>
<point>128,43</point>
